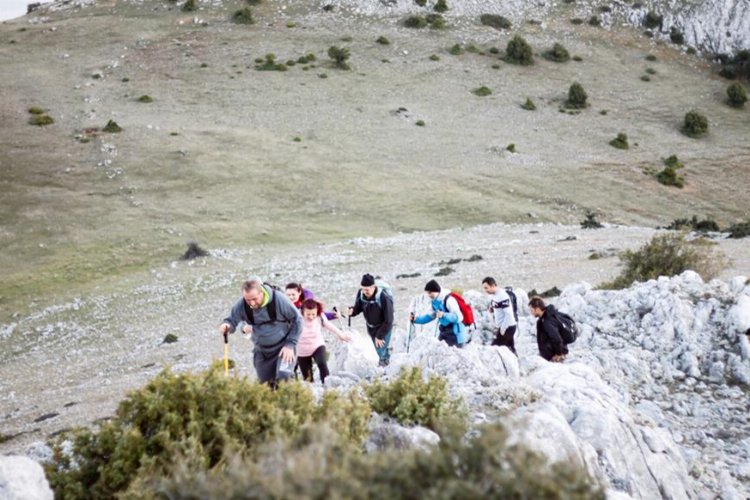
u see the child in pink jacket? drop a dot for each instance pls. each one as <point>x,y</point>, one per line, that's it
<point>311,345</point>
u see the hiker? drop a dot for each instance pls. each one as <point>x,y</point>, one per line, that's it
<point>376,303</point>
<point>501,307</point>
<point>311,345</point>
<point>446,310</point>
<point>275,325</point>
<point>548,336</point>
<point>297,294</point>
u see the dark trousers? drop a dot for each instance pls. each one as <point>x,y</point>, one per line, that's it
<point>447,335</point>
<point>305,364</point>
<point>506,339</point>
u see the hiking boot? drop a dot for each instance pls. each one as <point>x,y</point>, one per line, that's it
<point>383,363</point>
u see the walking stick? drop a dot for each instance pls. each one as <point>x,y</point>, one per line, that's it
<point>226,354</point>
<point>341,323</point>
<point>408,339</point>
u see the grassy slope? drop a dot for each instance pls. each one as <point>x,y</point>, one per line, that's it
<point>75,215</point>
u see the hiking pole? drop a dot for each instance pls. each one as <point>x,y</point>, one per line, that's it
<point>408,339</point>
<point>341,323</point>
<point>226,354</point>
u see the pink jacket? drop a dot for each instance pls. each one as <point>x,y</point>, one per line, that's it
<point>312,335</point>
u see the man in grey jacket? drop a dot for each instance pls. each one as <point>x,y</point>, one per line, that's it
<point>275,325</point>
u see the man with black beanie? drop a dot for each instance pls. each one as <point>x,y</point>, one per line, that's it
<point>376,302</point>
<point>447,312</point>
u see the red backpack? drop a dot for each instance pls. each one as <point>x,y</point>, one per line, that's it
<point>466,310</point>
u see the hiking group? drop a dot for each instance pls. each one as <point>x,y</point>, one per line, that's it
<point>287,327</point>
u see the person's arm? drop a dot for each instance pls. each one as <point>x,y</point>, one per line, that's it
<point>553,335</point>
<point>236,315</point>
<point>453,312</point>
<point>357,307</point>
<point>387,308</point>
<point>425,318</point>
<point>343,336</point>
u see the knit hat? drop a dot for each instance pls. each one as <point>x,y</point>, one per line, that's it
<point>432,286</point>
<point>367,280</point>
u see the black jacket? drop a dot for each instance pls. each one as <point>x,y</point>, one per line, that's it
<point>548,336</point>
<point>378,312</point>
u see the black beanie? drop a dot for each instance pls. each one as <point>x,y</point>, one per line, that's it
<point>432,286</point>
<point>367,280</point>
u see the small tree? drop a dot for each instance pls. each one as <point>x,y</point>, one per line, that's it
<point>737,95</point>
<point>441,6</point>
<point>676,36</point>
<point>652,20</point>
<point>576,97</point>
<point>620,142</point>
<point>518,51</point>
<point>590,222</point>
<point>669,176</point>
<point>495,21</point>
<point>190,6</point>
<point>243,16</point>
<point>695,125</point>
<point>415,22</point>
<point>339,55</point>
<point>557,53</point>
<point>528,105</point>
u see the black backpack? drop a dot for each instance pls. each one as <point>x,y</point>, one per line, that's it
<point>513,301</point>
<point>568,328</point>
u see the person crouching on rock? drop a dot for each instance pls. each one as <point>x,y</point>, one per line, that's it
<point>275,325</point>
<point>311,345</point>
<point>548,338</point>
<point>377,306</point>
<point>448,314</point>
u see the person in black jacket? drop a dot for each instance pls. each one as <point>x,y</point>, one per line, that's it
<point>548,338</point>
<point>377,306</point>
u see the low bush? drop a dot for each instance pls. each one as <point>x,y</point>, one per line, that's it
<point>420,123</point>
<point>413,399</point>
<point>383,40</point>
<point>145,98</point>
<point>668,255</point>
<point>434,57</point>
<point>590,222</point>
<point>669,176</point>
<point>421,3</point>
<point>511,148</point>
<point>254,2</point>
<point>737,66</point>
<point>270,64</point>
<point>495,21</point>
<point>36,110</point>
<point>195,422</point>
<point>676,36</point>
<point>482,91</point>
<point>651,57</point>
<point>485,465</point>
<point>695,124</point>
<point>576,21</point>
<point>415,22</point>
<point>243,16</point>
<point>694,224</point>
<point>557,53</point>
<point>652,20</point>
<point>552,292</point>
<point>620,142</point>
<point>595,21</point>
<point>529,105</point>
<point>339,56</point>
<point>41,120</point>
<point>112,127</point>
<point>441,6</point>
<point>190,6</point>
<point>436,21</point>
<point>577,97</point>
<point>739,230</point>
<point>736,94</point>
<point>456,50</point>
<point>518,51</point>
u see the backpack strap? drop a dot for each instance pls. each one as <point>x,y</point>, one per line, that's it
<point>271,307</point>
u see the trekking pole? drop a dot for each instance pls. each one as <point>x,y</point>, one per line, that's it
<point>226,354</point>
<point>341,323</point>
<point>411,332</point>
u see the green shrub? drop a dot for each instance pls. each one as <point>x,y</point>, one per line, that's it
<point>495,21</point>
<point>590,222</point>
<point>511,148</point>
<point>651,71</point>
<point>196,421</point>
<point>145,98</point>
<point>620,142</point>
<point>651,57</point>
<point>190,6</point>
<point>482,91</point>
<point>339,56</point>
<point>691,51</point>
<point>668,255</point>
<point>695,124</point>
<point>421,3</point>
<point>420,123</point>
<point>577,58</point>
<point>472,49</point>
<point>415,22</point>
<point>41,120</point>
<point>694,225</point>
<point>485,465</point>
<point>576,97</point>
<point>112,127</point>
<point>415,400</point>
<point>529,105</point>
<point>739,230</point>
<point>576,21</point>
<point>169,338</point>
<point>434,57</point>
<point>243,16</point>
<point>494,50</point>
<point>441,6</point>
<point>270,64</point>
<point>456,50</point>
<point>595,21</point>
<point>645,78</point>
<point>605,8</point>
<point>737,97</point>
<point>518,51</point>
<point>436,21</point>
<point>383,40</point>
<point>254,2</point>
<point>552,292</point>
<point>676,36</point>
<point>652,20</point>
<point>557,53</point>
<point>669,176</point>
<point>737,66</point>
<point>36,110</point>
